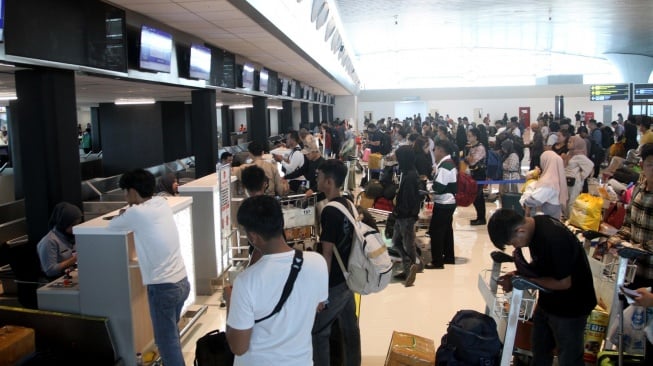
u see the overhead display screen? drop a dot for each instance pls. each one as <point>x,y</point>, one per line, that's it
<point>156,49</point>
<point>643,91</point>
<point>609,92</point>
<point>200,62</point>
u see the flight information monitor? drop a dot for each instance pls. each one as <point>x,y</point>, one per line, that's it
<point>643,91</point>
<point>609,92</point>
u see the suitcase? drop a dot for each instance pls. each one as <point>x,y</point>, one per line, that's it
<point>16,343</point>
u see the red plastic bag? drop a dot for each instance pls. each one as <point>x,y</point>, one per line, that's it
<point>615,214</point>
<point>467,190</point>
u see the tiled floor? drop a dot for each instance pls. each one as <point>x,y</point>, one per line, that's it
<point>424,309</point>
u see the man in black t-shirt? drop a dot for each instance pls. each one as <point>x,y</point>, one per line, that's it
<point>336,232</point>
<point>559,264</point>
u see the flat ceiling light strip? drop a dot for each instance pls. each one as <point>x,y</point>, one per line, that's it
<point>128,101</point>
<point>9,96</point>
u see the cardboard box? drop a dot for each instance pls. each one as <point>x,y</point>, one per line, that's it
<point>15,343</point>
<point>410,350</point>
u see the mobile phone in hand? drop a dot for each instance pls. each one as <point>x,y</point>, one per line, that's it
<point>630,293</point>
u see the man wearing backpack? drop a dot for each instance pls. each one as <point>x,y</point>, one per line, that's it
<point>558,264</point>
<point>406,212</point>
<point>336,230</point>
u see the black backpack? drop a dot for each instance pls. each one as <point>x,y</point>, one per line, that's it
<point>607,137</point>
<point>386,144</point>
<point>471,340</point>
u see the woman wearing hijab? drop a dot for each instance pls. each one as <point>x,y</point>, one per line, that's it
<point>577,168</point>
<point>56,248</point>
<point>167,186</point>
<point>510,166</point>
<point>549,193</point>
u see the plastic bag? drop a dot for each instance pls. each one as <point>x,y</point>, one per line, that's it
<point>586,212</point>
<point>634,337</point>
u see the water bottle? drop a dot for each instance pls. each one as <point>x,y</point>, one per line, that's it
<point>139,359</point>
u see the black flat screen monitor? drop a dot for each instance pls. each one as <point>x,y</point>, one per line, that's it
<point>643,91</point>
<point>200,62</point>
<point>155,50</point>
<point>263,81</point>
<point>248,76</point>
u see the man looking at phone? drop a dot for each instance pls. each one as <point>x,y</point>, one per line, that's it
<point>559,264</point>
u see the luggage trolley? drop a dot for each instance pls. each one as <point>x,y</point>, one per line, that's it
<point>300,220</point>
<point>507,309</point>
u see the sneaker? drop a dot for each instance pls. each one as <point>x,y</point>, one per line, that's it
<point>412,273</point>
<point>434,266</point>
<point>420,265</point>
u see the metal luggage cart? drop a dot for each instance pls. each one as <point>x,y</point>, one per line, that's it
<point>507,309</point>
<point>300,220</point>
<point>609,275</point>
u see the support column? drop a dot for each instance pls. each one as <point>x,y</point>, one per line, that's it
<point>260,123</point>
<point>285,124</point>
<point>204,132</point>
<point>96,136</point>
<point>316,115</point>
<point>227,124</point>
<point>44,129</point>
<point>303,110</point>
<point>325,113</point>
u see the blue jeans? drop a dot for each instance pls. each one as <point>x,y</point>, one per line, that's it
<point>403,240</point>
<point>550,331</point>
<point>166,300</point>
<point>341,307</point>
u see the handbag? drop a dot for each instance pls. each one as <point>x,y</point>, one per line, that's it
<point>571,181</point>
<point>615,214</point>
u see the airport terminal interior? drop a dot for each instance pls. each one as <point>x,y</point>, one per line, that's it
<point>92,89</point>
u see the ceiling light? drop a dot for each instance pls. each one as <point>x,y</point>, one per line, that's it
<point>8,96</point>
<point>218,104</point>
<point>127,101</point>
<point>240,106</point>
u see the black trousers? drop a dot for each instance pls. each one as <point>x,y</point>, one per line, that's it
<point>479,202</point>
<point>441,233</point>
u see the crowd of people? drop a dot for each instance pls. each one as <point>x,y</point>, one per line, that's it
<point>315,322</point>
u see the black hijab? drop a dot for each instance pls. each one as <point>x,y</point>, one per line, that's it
<point>63,216</point>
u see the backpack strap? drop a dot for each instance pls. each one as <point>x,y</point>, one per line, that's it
<point>351,219</point>
<point>297,261</point>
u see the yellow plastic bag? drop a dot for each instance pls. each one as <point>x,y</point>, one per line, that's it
<point>586,212</point>
<point>528,183</point>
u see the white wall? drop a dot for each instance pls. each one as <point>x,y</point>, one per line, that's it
<point>274,122</point>
<point>459,102</point>
<point>345,108</point>
<point>240,117</point>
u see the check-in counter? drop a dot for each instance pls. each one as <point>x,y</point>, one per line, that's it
<point>211,242</point>
<point>110,284</point>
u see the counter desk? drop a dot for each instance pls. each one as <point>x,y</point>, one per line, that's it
<point>211,235</point>
<point>110,283</point>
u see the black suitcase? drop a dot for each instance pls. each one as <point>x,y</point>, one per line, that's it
<point>511,201</point>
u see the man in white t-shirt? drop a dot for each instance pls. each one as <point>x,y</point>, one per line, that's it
<point>285,337</point>
<point>159,257</point>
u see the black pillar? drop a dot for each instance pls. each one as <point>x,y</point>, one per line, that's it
<point>303,109</point>
<point>227,124</point>
<point>316,115</point>
<point>260,122</point>
<point>204,132</point>
<point>46,129</point>
<point>285,123</point>
<point>325,113</point>
<point>173,126</point>
<point>96,136</point>
<point>330,114</point>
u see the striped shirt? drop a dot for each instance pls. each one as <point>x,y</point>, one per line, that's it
<point>445,182</point>
<point>638,226</point>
